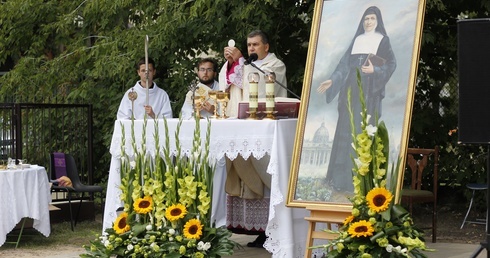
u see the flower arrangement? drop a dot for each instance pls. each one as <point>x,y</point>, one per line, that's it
<point>377,226</point>
<point>167,204</point>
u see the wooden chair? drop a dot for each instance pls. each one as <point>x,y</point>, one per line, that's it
<point>419,163</point>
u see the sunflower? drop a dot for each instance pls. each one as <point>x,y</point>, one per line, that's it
<point>175,212</point>
<point>143,205</point>
<point>193,229</point>
<point>121,225</point>
<point>379,199</point>
<point>348,220</point>
<point>361,229</point>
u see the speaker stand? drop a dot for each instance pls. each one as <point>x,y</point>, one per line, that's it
<point>485,244</point>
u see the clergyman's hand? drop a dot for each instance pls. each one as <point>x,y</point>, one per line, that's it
<point>232,54</point>
<point>149,111</point>
<point>208,107</point>
<point>324,86</point>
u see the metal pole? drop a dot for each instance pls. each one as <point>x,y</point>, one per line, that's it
<point>146,71</point>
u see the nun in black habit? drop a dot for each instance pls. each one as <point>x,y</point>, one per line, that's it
<point>370,52</point>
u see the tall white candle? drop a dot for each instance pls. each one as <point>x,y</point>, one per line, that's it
<point>270,78</point>
<point>269,95</point>
<point>253,98</point>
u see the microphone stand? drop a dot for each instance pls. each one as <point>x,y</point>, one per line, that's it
<point>278,83</point>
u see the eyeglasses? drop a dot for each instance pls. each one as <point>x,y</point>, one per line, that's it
<point>209,70</point>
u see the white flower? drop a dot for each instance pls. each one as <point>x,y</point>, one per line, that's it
<point>149,227</point>
<point>371,130</point>
<point>106,243</point>
<point>399,250</point>
<point>389,248</point>
<point>358,162</point>
<point>170,239</point>
<point>404,251</point>
<point>201,246</point>
<point>171,231</point>
<point>132,164</point>
<point>196,155</point>
<point>130,247</point>
<point>368,116</point>
<point>207,245</point>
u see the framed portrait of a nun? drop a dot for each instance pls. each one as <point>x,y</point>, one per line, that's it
<point>380,41</point>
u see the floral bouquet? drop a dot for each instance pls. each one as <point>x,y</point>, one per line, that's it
<point>377,227</point>
<point>167,204</point>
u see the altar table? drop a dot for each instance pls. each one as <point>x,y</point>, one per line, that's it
<point>286,228</point>
<point>25,193</point>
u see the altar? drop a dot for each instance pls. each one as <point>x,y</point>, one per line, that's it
<point>286,228</point>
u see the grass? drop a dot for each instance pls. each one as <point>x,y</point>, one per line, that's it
<point>61,235</point>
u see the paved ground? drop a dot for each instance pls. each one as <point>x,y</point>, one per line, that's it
<point>444,250</point>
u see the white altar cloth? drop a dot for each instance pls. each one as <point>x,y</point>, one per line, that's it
<point>286,228</point>
<point>24,194</point>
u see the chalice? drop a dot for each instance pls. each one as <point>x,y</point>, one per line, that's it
<point>220,97</point>
<point>198,102</point>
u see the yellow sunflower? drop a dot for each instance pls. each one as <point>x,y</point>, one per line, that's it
<point>379,199</point>
<point>193,229</point>
<point>121,225</point>
<point>361,229</point>
<point>348,220</point>
<point>175,212</point>
<point>143,205</point>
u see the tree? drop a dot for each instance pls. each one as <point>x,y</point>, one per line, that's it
<point>435,112</point>
<point>85,51</point>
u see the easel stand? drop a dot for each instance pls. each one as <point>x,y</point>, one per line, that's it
<point>323,215</point>
<point>485,244</point>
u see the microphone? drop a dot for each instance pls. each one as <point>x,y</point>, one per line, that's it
<point>253,57</point>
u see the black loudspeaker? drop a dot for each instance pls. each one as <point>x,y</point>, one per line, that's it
<point>474,80</point>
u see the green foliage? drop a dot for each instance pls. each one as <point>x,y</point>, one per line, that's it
<point>435,111</point>
<point>85,51</point>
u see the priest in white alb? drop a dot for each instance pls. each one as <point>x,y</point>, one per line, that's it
<point>247,183</point>
<point>234,73</point>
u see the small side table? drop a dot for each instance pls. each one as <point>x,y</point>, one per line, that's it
<point>474,187</point>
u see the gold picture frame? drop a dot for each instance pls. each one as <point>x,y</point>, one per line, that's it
<point>344,32</point>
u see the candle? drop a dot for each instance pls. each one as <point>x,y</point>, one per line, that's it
<point>253,98</point>
<point>253,102</point>
<point>270,78</point>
